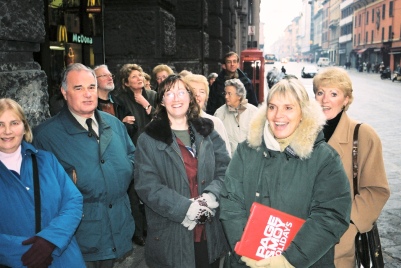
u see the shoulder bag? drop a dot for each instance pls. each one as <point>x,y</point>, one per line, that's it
<point>368,250</point>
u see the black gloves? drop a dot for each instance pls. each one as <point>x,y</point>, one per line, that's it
<point>40,253</point>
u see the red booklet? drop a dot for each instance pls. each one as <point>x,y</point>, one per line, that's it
<point>267,233</point>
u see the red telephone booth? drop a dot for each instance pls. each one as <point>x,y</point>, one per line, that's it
<point>253,64</point>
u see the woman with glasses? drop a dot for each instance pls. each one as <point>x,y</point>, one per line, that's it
<point>180,162</point>
<point>286,164</point>
<point>236,113</point>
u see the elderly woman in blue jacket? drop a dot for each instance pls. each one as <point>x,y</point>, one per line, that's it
<point>286,164</point>
<point>180,165</point>
<point>61,202</point>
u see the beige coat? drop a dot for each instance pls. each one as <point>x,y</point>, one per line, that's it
<point>372,180</point>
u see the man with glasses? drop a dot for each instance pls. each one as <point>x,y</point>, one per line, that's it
<point>109,103</point>
<point>231,71</point>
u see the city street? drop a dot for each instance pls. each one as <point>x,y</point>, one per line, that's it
<point>376,102</point>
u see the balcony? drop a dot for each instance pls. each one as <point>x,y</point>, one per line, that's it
<point>334,23</point>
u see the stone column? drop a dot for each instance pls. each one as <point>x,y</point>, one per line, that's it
<point>21,78</point>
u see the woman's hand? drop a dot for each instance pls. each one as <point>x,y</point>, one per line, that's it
<point>272,262</point>
<point>139,98</point>
<point>129,119</point>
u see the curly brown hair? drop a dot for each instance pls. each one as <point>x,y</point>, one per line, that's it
<point>125,72</point>
<point>193,109</point>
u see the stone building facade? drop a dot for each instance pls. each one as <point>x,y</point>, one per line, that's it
<point>22,29</point>
<point>185,34</point>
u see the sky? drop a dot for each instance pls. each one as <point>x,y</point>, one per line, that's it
<point>276,16</point>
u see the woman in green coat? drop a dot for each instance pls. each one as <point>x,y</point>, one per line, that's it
<point>286,164</point>
<point>180,163</point>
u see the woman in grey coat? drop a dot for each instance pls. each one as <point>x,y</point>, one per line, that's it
<point>180,165</point>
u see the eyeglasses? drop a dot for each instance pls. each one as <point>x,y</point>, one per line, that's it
<point>170,95</point>
<point>106,76</point>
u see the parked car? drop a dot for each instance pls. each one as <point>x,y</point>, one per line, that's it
<point>323,62</point>
<point>309,71</point>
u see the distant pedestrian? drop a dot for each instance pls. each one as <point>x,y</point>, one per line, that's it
<point>333,90</point>
<point>283,70</point>
<point>368,66</point>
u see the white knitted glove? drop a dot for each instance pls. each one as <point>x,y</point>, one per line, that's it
<point>188,223</point>
<point>210,200</point>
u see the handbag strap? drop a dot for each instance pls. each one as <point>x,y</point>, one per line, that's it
<point>355,158</point>
<point>36,189</point>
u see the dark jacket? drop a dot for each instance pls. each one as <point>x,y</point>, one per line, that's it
<point>162,184</point>
<point>121,112</point>
<point>217,96</point>
<point>141,117</point>
<point>102,171</point>
<point>306,180</point>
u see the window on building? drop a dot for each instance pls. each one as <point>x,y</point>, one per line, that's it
<point>359,20</point>
<point>372,35</point>
<point>390,8</point>
<point>354,40</point>
<point>373,15</point>
<point>390,31</point>
<point>359,39</point>
<point>384,11</point>
<point>366,37</point>
<point>367,18</point>
<point>383,34</point>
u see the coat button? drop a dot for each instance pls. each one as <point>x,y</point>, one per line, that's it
<point>203,182</point>
<point>157,238</point>
<point>114,249</point>
<point>102,161</point>
<point>110,206</point>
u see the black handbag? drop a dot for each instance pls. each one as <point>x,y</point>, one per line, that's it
<point>368,249</point>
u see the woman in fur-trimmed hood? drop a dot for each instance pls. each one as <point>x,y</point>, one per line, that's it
<point>286,164</point>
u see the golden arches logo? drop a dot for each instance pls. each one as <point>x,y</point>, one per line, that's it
<point>92,3</point>
<point>62,34</point>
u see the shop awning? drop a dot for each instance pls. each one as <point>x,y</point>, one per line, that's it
<point>361,50</point>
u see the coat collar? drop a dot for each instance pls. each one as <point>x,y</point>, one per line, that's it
<point>342,134</point>
<point>159,128</point>
<point>307,134</point>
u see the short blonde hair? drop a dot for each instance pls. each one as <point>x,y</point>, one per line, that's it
<point>162,67</point>
<point>7,104</point>
<point>334,77</point>
<point>292,88</point>
<point>197,78</point>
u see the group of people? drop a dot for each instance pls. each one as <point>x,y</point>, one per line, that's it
<point>192,156</point>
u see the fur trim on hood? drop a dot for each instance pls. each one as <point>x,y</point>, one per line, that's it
<point>313,120</point>
<point>160,129</point>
